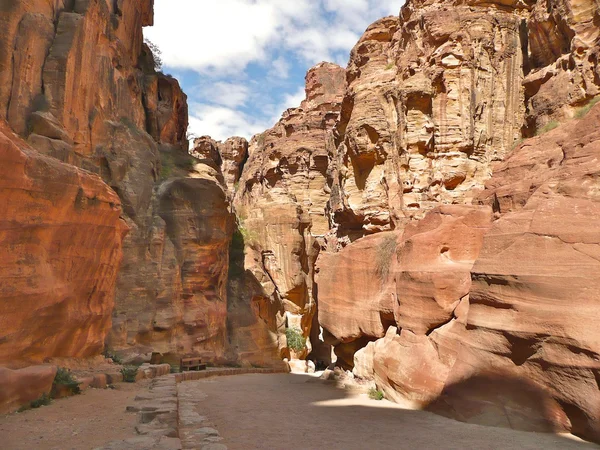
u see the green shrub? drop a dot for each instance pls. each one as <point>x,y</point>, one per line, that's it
<point>110,354</point>
<point>156,54</point>
<point>582,112</point>
<point>295,339</point>
<point>385,252</point>
<point>44,400</point>
<point>249,236</point>
<point>390,66</point>
<point>375,394</point>
<point>548,127</point>
<point>188,163</point>
<point>166,166</point>
<point>129,373</point>
<point>65,378</point>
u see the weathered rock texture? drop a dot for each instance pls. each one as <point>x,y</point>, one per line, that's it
<point>485,321</point>
<point>230,156</point>
<point>433,99</point>
<point>60,240</point>
<point>416,279</point>
<point>561,68</point>
<point>280,206</point>
<point>490,323</point>
<point>80,85</point>
<point>23,386</point>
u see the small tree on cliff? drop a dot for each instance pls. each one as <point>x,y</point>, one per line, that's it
<point>156,53</point>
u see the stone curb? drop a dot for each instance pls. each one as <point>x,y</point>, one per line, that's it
<point>167,417</point>
<point>194,376</point>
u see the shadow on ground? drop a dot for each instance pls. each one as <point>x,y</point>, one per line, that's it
<point>300,412</point>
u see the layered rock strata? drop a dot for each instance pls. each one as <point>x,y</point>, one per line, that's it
<point>79,84</point>
<point>60,237</point>
<point>280,205</point>
<point>482,318</point>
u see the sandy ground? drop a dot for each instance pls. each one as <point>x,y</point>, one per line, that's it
<point>298,412</point>
<point>82,422</point>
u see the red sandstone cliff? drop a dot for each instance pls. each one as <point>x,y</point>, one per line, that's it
<point>481,313</point>
<point>394,215</point>
<point>79,85</point>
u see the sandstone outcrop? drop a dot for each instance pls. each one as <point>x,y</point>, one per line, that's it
<point>60,237</point>
<point>486,322</point>
<point>280,205</point>
<point>23,386</point>
<point>230,156</point>
<point>433,98</point>
<point>79,84</point>
<point>535,287</point>
<point>561,68</point>
<point>511,341</point>
<point>416,280</point>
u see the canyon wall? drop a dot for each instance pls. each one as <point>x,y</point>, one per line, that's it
<point>472,293</point>
<point>79,85</point>
<point>407,223</point>
<point>280,205</point>
<point>60,240</point>
<point>398,215</point>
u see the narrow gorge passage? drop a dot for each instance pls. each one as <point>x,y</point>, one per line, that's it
<point>303,412</point>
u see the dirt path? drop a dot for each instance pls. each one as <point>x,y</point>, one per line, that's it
<point>295,412</point>
<point>82,422</point>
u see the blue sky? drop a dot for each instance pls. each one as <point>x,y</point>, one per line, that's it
<point>243,62</point>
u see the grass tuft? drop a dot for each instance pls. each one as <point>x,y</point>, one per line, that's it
<point>295,339</point>
<point>129,373</point>
<point>112,355</point>
<point>375,394</point>
<point>582,112</point>
<point>548,127</point>
<point>385,253</point>
<point>65,378</point>
<point>44,400</point>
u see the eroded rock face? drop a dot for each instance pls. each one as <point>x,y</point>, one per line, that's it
<point>562,67</point>
<point>498,328</point>
<point>280,206</point>
<point>434,97</point>
<point>81,87</point>
<point>415,280</point>
<point>490,322</point>
<point>60,237</point>
<point>535,287</point>
<point>230,156</point>
<point>21,387</point>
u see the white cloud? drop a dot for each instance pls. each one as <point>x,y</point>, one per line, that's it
<point>224,36</point>
<point>221,122</point>
<point>225,93</point>
<point>294,100</point>
<point>247,52</point>
<point>280,68</point>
